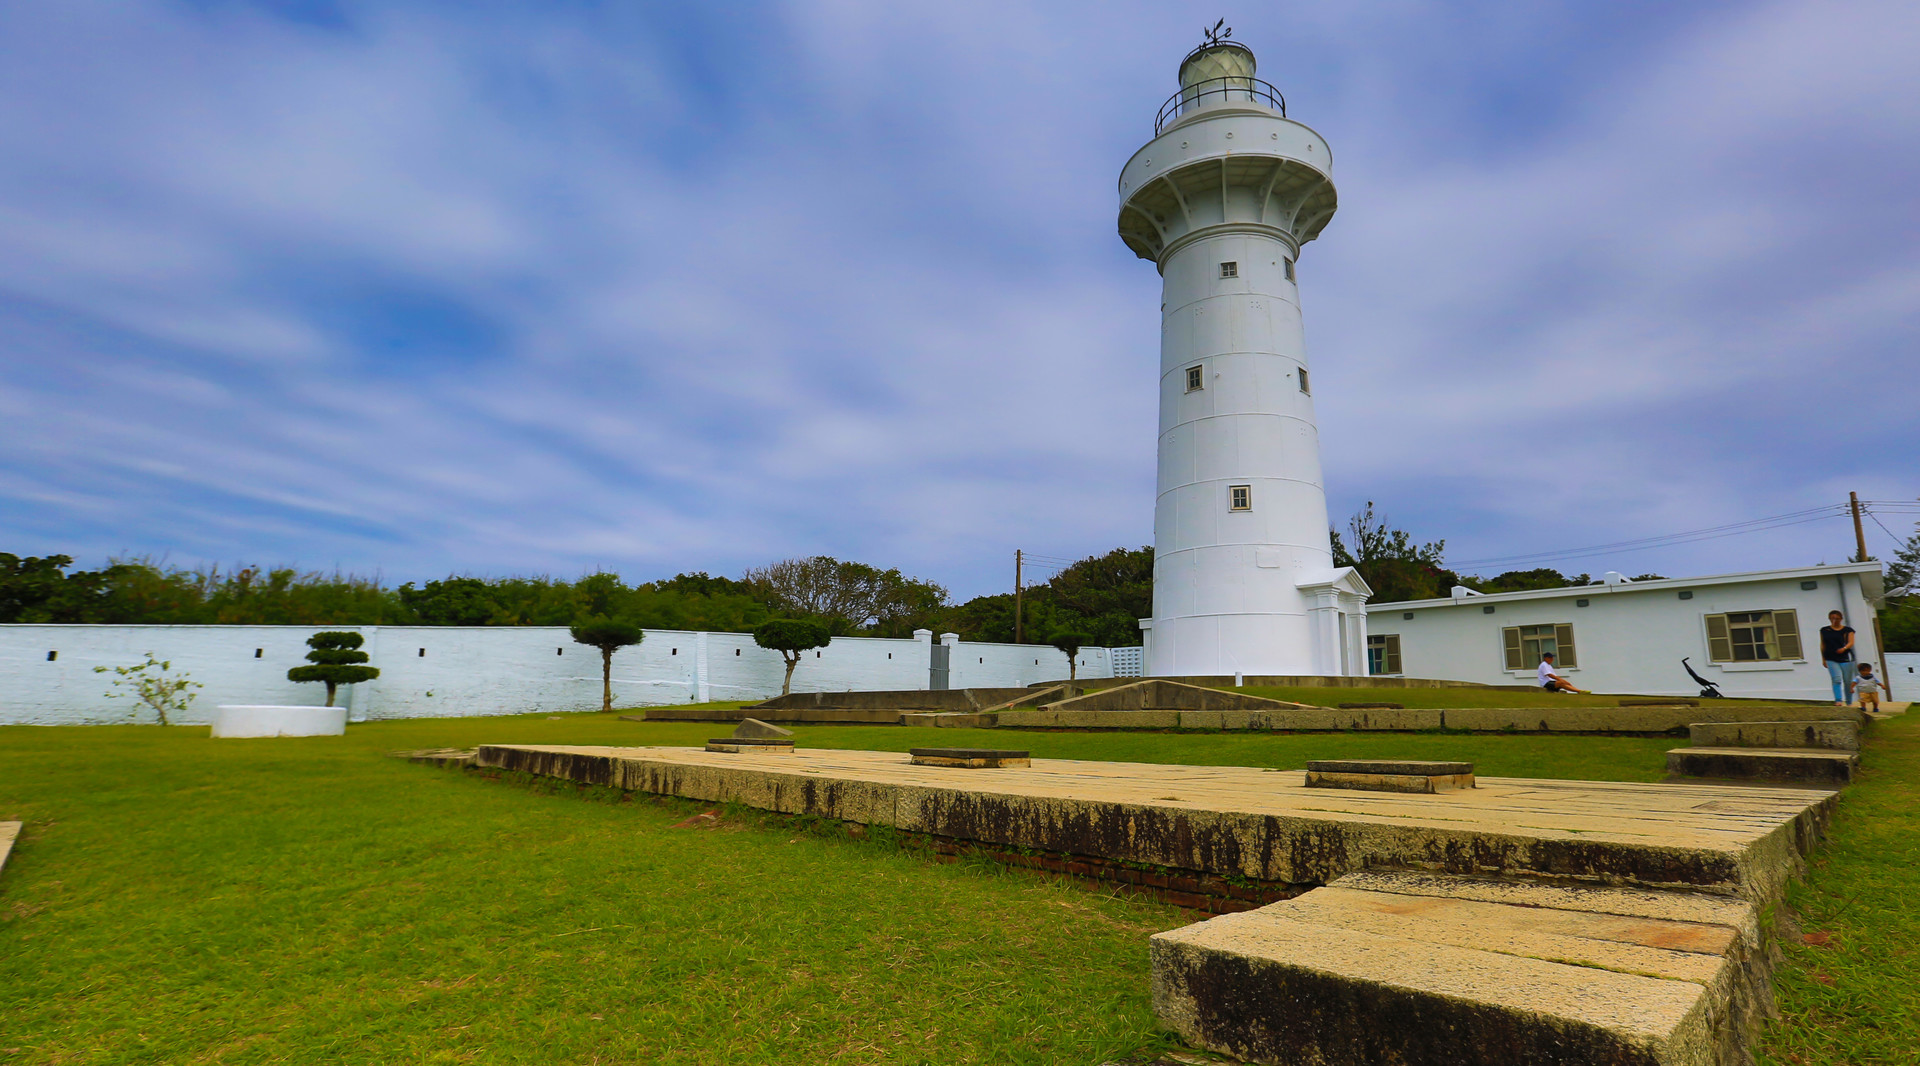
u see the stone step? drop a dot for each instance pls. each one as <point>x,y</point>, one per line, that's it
<point>1809,766</point>
<point>1417,969</point>
<point>1835,734</point>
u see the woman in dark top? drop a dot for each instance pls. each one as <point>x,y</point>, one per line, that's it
<point>1836,650</point>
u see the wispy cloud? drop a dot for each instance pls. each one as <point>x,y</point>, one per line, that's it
<point>406,288</point>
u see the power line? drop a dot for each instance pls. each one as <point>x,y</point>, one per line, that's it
<point>1731,529</point>
<point>1898,543</point>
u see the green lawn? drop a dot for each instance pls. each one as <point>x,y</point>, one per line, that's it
<point>180,900</point>
<point>1850,992</point>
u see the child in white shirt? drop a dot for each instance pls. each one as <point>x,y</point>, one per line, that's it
<point>1867,688</point>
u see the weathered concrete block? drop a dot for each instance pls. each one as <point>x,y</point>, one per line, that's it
<point>1389,775</point>
<point>969,758</point>
<point>9,832</point>
<point>1837,735</point>
<point>951,719</point>
<point>442,757</point>
<point>1800,765</point>
<point>754,727</point>
<point>1251,822</point>
<point>1423,970</point>
<point>761,745</point>
<point>1157,695</point>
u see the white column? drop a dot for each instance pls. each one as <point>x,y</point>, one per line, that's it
<point>702,689</point>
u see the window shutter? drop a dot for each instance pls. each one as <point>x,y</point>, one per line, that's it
<point>1786,629</point>
<point>1563,642</point>
<point>1512,634</point>
<point>1719,645</point>
<point>1393,654</point>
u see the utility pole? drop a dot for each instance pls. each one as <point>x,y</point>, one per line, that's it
<point>1860,542</point>
<point>1019,630</point>
<point>1859,533</point>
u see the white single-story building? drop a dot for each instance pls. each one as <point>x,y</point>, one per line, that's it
<point>1753,634</point>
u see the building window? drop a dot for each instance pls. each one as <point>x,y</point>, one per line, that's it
<point>1581,603</point>
<point>1527,644</point>
<point>1303,382</point>
<point>1383,654</point>
<point>1809,586</point>
<point>1289,269</point>
<point>1230,270</point>
<point>257,652</point>
<point>1195,379</point>
<point>53,656</point>
<point>1240,498</point>
<point>1753,636</point>
<point>423,654</point>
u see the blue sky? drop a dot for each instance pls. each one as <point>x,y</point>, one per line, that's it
<point>413,289</point>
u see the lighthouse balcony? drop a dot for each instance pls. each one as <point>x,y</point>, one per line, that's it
<point>1236,91</point>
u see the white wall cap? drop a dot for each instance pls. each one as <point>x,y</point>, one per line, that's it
<point>1461,592</point>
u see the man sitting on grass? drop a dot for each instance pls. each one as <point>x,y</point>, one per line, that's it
<point>1551,681</point>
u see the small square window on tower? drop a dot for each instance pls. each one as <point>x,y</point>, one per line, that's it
<point>1195,379</point>
<point>1240,498</point>
<point>1289,269</point>
<point>1230,270</point>
<point>1303,382</point>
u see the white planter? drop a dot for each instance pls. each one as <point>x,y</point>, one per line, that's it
<point>253,720</point>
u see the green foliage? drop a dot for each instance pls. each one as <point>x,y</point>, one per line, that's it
<point>1070,641</point>
<point>37,590</point>
<point>1526,580</point>
<point>1389,560</point>
<point>336,660</point>
<point>1902,571</point>
<point>153,686</point>
<point>848,597</point>
<point>791,637</point>
<point>609,635</point>
<point>1900,628</point>
<point>1103,596</point>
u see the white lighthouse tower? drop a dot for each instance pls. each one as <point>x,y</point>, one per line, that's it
<point>1222,199</point>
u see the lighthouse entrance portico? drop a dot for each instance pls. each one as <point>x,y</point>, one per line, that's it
<point>1222,200</point>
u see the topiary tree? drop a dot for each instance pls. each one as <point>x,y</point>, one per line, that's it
<point>790,637</point>
<point>336,660</point>
<point>1070,641</point>
<point>609,636</point>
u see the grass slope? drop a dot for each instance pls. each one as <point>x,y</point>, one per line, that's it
<point>1850,992</point>
<point>180,900</point>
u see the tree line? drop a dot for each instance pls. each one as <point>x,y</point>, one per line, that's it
<point>1097,600</point>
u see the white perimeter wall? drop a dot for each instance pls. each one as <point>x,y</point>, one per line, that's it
<point>1630,638</point>
<point>475,670</point>
<point>1903,674</point>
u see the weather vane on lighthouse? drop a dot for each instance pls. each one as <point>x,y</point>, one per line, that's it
<point>1221,200</point>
